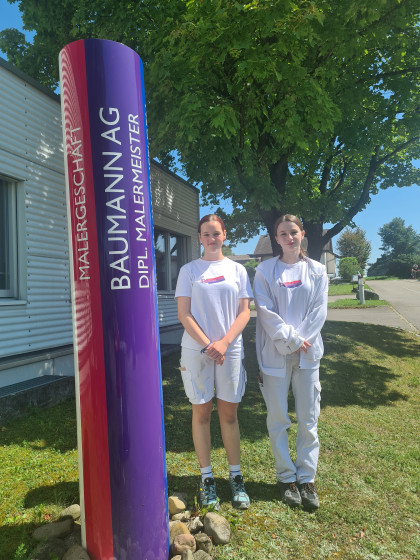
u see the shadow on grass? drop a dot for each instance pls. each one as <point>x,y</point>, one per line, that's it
<point>362,380</point>
<point>54,427</point>
<point>57,494</point>
<point>13,536</point>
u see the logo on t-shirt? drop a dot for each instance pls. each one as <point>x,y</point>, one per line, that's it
<point>293,284</point>
<point>212,280</point>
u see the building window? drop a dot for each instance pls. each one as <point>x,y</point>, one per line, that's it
<point>170,254</point>
<point>8,240</point>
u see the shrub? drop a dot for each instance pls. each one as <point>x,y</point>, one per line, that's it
<point>348,267</point>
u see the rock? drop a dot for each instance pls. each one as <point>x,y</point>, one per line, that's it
<point>183,516</point>
<point>182,496</point>
<point>187,555</point>
<point>178,529</point>
<point>368,295</point>
<point>176,505</point>
<point>72,511</point>
<point>52,548</point>
<point>371,295</point>
<point>75,537</point>
<point>203,542</point>
<point>195,525</point>
<point>76,552</point>
<point>217,527</point>
<point>201,555</point>
<point>183,542</point>
<point>172,524</point>
<point>57,529</point>
<point>177,557</point>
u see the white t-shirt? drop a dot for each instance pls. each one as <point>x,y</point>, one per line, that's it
<point>292,291</point>
<point>215,288</point>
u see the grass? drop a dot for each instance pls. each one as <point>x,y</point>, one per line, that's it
<point>347,303</point>
<point>367,476</point>
<point>340,289</point>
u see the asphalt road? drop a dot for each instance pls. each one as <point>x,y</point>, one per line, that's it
<point>402,295</point>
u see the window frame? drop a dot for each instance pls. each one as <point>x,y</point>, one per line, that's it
<point>167,256</point>
<point>11,245</point>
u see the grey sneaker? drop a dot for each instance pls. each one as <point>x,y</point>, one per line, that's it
<point>240,498</point>
<point>207,494</point>
<point>309,496</point>
<point>289,493</point>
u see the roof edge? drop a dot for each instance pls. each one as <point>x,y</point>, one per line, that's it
<point>23,76</point>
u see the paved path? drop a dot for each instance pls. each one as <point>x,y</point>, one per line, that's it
<point>404,313</point>
<point>403,295</point>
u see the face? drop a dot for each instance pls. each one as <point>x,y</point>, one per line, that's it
<point>211,237</point>
<point>289,236</point>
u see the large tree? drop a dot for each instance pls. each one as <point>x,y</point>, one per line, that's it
<point>353,243</point>
<point>401,249</point>
<point>308,107</point>
<point>397,238</point>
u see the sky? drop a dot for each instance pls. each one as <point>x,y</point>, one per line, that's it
<point>388,204</point>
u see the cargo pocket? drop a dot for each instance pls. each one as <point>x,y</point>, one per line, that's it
<point>187,381</point>
<point>243,381</point>
<point>317,390</point>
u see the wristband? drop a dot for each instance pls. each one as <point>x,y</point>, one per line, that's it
<point>202,351</point>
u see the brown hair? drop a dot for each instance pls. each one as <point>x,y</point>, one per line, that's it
<point>211,218</point>
<point>295,220</point>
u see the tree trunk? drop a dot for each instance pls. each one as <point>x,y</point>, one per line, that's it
<point>269,218</point>
<point>313,232</point>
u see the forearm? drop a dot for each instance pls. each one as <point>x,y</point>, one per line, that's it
<point>237,327</point>
<point>271,322</point>
<point>194,330</point>
<point>220,347</point>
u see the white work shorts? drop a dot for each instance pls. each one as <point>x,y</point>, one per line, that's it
<point>203,378</point>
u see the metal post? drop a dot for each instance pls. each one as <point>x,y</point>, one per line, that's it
<point>361,290</point>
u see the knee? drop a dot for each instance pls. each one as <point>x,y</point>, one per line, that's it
<point>201,414</point>
<point>227,416</point>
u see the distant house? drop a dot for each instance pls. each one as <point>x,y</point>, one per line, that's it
<point>36,334</point>
<point>241,259</point>
<point>264,251</point>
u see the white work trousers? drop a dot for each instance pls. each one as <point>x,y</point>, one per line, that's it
<point>307,392</point>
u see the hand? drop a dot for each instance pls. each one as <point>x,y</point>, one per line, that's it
<point>220,361</point>
<point>304,347</point>
<point>217,349</point>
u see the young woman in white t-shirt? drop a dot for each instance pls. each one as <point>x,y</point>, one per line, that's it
<point>213,295</point>
<point>291,294</point>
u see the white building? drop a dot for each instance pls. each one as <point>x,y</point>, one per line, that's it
<point>35,306</point>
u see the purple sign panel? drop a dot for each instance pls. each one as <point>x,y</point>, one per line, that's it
<point>114,302</point>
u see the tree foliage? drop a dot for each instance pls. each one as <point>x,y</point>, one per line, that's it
<point>348,267</point>
<point>251,267</point>
<point>397,238</point>
<point>353,243</point>
<point>301,107</point>
<point>401,249</point>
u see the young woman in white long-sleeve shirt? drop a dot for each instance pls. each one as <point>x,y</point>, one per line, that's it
<point>291,293</point>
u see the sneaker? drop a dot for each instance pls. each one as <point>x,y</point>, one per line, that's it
<point>240,498</point>
<point>289,493</point>
<point>208,497</point>
<point>309,496</point>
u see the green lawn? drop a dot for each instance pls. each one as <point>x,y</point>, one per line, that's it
<point>340,289</point>
<point>353,302</point>
<point>368,469</point>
